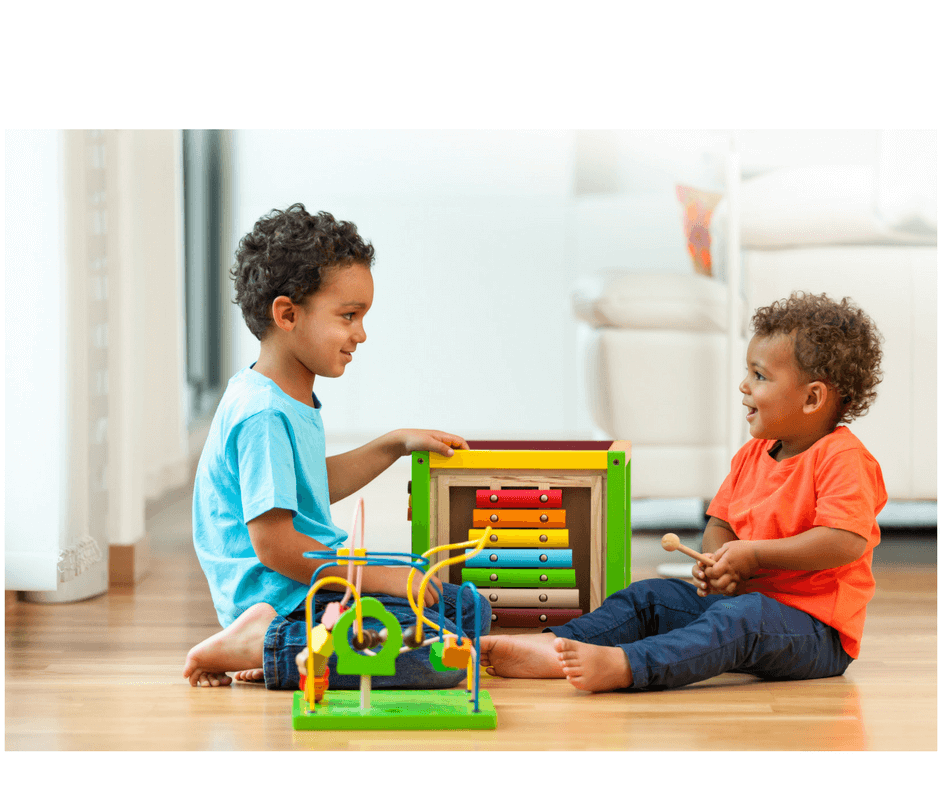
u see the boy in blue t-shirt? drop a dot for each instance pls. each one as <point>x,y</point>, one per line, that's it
<point>264,484</point>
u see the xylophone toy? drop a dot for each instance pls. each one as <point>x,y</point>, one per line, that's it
<point>559,514</point>
<point>526,570</point>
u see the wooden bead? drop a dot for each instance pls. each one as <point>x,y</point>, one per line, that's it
<point>366,639</point>
<point>408,638</point>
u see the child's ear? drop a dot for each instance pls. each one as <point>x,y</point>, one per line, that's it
<point>817,395</point>
<point>284,313</point>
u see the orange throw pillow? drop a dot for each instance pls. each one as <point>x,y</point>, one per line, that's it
<point>698,206</point>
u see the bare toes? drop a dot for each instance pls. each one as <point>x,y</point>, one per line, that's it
<point>205,679</point>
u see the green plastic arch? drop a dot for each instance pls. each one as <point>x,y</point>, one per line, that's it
<point>350,661</point>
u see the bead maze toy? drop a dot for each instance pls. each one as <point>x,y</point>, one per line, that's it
<point>341,630</point>
<point>559,514</point>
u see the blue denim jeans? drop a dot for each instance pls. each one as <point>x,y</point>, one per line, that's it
<point>287,637</point>
<point>673,637</point>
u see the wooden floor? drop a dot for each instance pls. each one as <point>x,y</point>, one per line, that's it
<point>105,674</point>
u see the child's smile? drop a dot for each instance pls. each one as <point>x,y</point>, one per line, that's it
<point>775,391</point>
<point>330,325</point>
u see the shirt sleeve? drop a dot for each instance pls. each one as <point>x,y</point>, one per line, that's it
<point>849,492</point>
<point>719,505</point>
<point>265,459</point>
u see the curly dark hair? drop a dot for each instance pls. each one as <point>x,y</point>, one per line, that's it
<point>836,343</point>
<point>288,253</point>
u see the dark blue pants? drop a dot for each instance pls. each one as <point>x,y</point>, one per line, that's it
<point>287,637</point>
<point>673,637</point>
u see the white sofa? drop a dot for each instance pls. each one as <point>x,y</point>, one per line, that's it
<point>654,345</point>
<point>653,361</point>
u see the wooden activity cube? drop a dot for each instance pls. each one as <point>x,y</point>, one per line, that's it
<point>575,551</point>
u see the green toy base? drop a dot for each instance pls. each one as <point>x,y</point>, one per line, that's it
<point>395,710</point>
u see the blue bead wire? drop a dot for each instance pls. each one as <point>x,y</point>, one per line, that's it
<point>476,635</point>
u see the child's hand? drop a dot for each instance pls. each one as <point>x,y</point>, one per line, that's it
<point>430,592</point>
<point>429,440</point>
<point>735,562</point>
<point>705,585</point>
<point>702,582</point>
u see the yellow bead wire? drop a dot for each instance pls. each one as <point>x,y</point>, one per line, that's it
<point>478,544</point>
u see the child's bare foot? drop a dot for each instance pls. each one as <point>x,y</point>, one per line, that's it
<point>593,668</point>
<point>240,646</point>
<point>520,656</point>
<point>255,675</point>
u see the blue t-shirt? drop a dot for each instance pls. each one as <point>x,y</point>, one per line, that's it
<point>265,450</point>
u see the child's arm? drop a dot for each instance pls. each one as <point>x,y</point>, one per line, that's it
<point>717,532</point>
<point>280,546</point>
<point>353,470</point>
<point>813,550</point>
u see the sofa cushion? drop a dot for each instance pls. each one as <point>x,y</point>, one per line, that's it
<point>649,300</point>
<point>812,206</point>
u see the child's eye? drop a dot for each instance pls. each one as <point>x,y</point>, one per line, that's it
<point>349,315</point>
<point>758,375</point>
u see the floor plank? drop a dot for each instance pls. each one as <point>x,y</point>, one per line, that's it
<point>105,674</point>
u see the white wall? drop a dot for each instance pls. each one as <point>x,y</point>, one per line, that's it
<point>152,200</point>
<point>471,329</point>
<point>763,150</point>
<point>35,416</point>
<point>92,257</point>
<point>480,236</point>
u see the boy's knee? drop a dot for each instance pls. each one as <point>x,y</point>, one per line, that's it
<point>761,607</point>
<point>752,610</point>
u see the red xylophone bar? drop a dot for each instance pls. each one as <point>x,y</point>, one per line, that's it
<point>518,499</point>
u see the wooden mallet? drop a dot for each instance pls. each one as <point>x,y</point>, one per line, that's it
<point>671,542</point>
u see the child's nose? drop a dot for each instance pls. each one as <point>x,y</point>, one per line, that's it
<point>743,386</point>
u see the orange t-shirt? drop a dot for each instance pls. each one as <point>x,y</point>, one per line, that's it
<point>835,483</point>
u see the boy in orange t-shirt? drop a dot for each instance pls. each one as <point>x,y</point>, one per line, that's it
<point>791,531</point>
